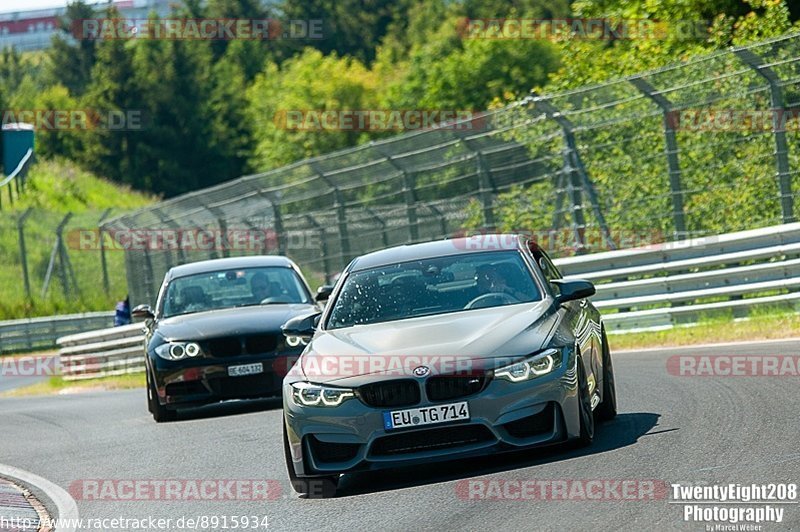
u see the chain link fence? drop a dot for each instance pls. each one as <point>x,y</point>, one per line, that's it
<point>702,147</point>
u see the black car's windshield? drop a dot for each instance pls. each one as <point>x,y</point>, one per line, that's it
<point>433,286</point>
<point>233,288</point>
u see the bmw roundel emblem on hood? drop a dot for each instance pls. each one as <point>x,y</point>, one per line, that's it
<point>421,371</point>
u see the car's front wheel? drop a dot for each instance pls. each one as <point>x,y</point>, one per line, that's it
<point>160,413</point>
<point>314,487</point>
<point>607,410</point>
<point>585,414</point>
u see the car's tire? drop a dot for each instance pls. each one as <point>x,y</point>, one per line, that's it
<point>585,414</point>
<point>160,413</point>
<point>607,410</point>
<point>313,487</point>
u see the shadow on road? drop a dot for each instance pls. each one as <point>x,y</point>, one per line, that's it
<point>624,430</point>
<point>230,408</point>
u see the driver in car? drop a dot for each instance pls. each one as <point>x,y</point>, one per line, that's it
<point>489,281</point>
<point>259,287</point>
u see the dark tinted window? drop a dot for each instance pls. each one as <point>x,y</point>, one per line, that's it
<point>433,286</point>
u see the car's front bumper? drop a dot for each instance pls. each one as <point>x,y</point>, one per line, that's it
<point>203,381</point>
<point>504,416</point>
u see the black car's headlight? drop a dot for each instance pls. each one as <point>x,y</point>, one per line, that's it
<point>307,394</point>
<point>537,365</point>
<point>178,350</point>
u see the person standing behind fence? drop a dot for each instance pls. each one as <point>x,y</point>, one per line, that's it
<point>122,313</point>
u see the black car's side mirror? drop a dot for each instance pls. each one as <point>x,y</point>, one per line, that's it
<point>573,290</point>
<point>324,292</point>
<point>143,311</point>
<point>301,326</point>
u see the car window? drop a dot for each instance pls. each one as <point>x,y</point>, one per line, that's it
<point>433,286</point>
<point>232,288</point>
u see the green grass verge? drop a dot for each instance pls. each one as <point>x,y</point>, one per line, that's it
<point>757,327</point>
<point>53,189</point>
<point>56,385</point>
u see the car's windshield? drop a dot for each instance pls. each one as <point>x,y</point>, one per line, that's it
<point>433,286</point>
<point>233,288</point>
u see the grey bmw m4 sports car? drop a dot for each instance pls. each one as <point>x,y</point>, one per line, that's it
<point>439,351</point>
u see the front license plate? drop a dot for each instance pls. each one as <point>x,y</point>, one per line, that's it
<point>428,415</point>
<point>245,369</point>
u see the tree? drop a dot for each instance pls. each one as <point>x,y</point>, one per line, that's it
<point>71,64</point>
<point>308,84</point>
<point>113,90</point>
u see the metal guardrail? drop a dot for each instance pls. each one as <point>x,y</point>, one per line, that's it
<point>656,286</point>
<point>32,334</point>
<point>668,284</point>
<point>103,353</point>
<point>16,179</point>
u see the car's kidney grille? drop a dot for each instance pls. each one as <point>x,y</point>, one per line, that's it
<point>261,343</point>
<point>430,439</point>
<point>390,393</point>
<point>446,387</point>
<point>229,346</point>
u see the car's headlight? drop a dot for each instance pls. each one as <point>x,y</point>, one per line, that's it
<point>530,368</point>
<point>307,394</point>
<point>178,350</point>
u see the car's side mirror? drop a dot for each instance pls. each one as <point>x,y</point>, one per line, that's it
<point>143,311</point>
<point>324,292</point>
<point>301,326</point>
<point>573,290</point>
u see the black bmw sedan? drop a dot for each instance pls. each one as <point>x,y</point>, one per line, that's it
<point>215,332</point>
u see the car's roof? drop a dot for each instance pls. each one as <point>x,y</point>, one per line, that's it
<point>439,248</point>
<point>230,263</point>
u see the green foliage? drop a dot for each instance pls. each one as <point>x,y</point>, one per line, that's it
<point>310,82</point>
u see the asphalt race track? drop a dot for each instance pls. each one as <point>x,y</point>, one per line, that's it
<point>689,430</point>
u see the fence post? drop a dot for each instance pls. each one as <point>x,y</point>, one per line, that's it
<point>442,220</point>
<point>23,254</point>
<point>103,264</point>
<point>276,214</point>
<point>409,194</point>
<point>166,220</point>
<point>341,217</point>
<point>486,188</point>
<point>778,127</point>
<point>671,150</point>
<point>326,267</point>
<point>575,170</point>
<point>381,224</point>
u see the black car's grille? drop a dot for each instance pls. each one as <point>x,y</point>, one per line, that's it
<point>446,387</point>
<point>332,452</point>
<point>430,439</point>
<point>534,425</point>
<point>231,346</point>
<point>390,393</point>
<point>261,343</point>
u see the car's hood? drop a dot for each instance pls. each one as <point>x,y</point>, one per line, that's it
<point>229,322</point>
<point>446,343</point>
